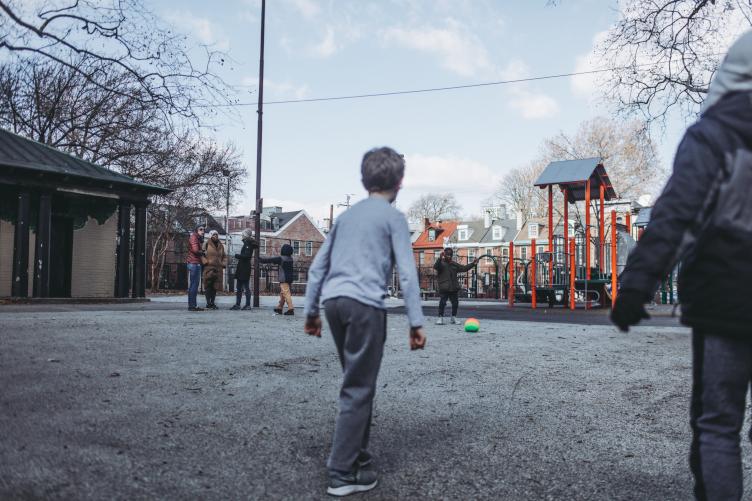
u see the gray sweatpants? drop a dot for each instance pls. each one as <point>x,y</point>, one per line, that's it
<point>722,370</point>
<point>359,333</point>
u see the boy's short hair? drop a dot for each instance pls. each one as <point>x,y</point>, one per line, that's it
<point>382,169</point>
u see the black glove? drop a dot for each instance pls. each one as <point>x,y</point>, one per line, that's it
<point>629,309</point>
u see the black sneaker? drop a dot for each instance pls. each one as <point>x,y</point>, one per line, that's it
<point>289,312</point>
<point>247,307</point>
<point>195,308</point>
<point>278,311</point>
<point>350,483</point>
<point>236,307</point>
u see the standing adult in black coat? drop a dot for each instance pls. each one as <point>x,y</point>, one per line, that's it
<point>243,270</point>
<point>704,218</point>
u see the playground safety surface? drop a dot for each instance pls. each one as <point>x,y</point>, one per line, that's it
<point>163,404</point>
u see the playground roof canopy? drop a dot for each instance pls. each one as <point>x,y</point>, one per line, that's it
<point>573,175</point>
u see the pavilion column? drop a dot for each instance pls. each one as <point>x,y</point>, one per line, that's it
<point>42,253</point>
<point>123,249</point>
<point>20,286</point>
<point>566,223</point>
<point>139,252</point>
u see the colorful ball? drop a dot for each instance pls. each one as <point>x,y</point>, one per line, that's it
<point>472,325</point>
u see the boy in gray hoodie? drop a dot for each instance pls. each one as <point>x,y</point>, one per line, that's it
<point>350,274</point>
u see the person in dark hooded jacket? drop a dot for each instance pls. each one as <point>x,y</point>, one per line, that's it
<point>703,219</point>
<point>243,270</point>
<point>286,278</point>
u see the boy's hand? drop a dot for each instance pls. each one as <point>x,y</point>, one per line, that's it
<point>313,326</point>
<point>417,338</point>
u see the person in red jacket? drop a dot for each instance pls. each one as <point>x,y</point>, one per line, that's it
<point>193,261</point>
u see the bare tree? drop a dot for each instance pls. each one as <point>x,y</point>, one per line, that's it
<point>433,207</point>
<point>121,36</point>
<point>664,54</point>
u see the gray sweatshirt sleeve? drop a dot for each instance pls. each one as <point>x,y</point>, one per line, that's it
<point>316,276</point>
<point>403,257</point>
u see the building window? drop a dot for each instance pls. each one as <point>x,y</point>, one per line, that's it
<point>462,234</point>
<point>497,233</point>
<point>431,235</point>
<point>296,247</point>
<point>541,249</point>
<point>523,252</point>
<point>532,230</point>
<point>436,255</point>
<point>262,246</point>
<point>309,248</point>
<point>505,252</point>
<point>489,251</point>
<point>470,254</point>
<point>421,258</point>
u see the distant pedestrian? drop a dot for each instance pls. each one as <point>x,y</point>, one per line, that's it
<point>449,286</point>
<point>243,270</point>
<point>193,262</point>
<point>704,218</point>
<point>350,274</point>
<point>214,261</point>
<point>285,273</point>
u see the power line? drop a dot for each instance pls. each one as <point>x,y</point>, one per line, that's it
<point>441,89</point>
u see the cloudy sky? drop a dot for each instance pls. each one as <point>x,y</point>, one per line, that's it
<point>459,141</point>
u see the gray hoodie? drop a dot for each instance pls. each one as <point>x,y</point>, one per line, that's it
<point>734,74</point>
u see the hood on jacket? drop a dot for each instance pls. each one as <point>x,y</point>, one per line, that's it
<point>247,235</point>
<point>734,74</point>
<point>286,250</point>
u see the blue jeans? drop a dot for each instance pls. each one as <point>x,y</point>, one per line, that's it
<point>194,277</point>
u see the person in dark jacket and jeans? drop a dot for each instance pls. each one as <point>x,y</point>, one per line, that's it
<point>447,270</point>
<point>286,278</point>
<point>243,270</point>
<point>193,262</point>
<point>704,218</point>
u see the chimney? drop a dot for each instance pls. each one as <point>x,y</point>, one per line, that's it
<point>487,219</point>
<point>519,220</point>
<point>503,212</point>
<point>426,223</point>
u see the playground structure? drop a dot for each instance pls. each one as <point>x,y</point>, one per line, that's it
<point>576,268</point>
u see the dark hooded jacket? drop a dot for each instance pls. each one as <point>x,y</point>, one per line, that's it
<point>703,219</point>
<point>285,263</point>
<point>243,270</point>
<point>446,274</point>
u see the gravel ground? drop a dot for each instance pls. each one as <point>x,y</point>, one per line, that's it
<point>240,405</point>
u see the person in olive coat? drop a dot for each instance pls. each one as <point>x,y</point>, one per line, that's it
<point>446,275</point>
<point>243,270</point>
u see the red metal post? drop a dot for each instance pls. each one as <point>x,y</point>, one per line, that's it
<point>551,234</point>
<point>533,270</point>
<point>572,274</point>
<point>511,274</point>
<point>601,232</point>
<point>613,258</point>
<point>566,220</point>
<point>628,221</point>
<point>587,231</point>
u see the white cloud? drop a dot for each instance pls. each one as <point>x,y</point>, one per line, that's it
<point>279,90</point>
<point>587,86</point>
<point>308,8</point>
<point>201,28</point>
<point>533,105</point>
<point>327,46</point>
<point>448,174</point>
<point>514,70</point>
<point>458,49</point>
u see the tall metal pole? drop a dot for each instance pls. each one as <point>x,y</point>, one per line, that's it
<point>228,251</point>
<point>256,266</point>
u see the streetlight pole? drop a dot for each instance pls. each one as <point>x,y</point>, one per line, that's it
<point>226,173</point>
<point>256,266</point>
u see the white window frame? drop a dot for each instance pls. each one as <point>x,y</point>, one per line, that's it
<point>505,252</point>
<point>531,233</point>
<point>296,247</point>
<point>523,252</point>
<point>421,258</point>
<point>497,233</point>
<point>463,234</point>
<point>470,254</point>
<point>309,248</point>
<point>262,246</point>
<point>431,235</point>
